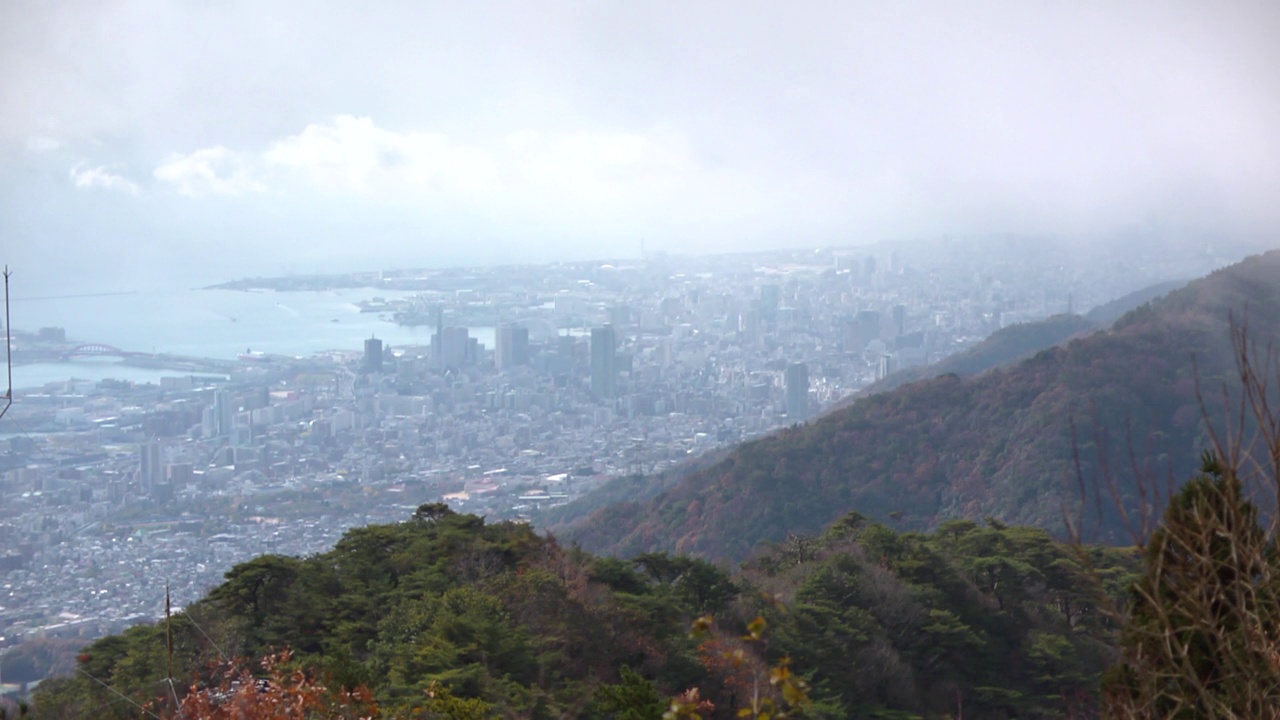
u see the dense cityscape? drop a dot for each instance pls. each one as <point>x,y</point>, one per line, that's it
<point>639,360</point>
<point>112,491</point>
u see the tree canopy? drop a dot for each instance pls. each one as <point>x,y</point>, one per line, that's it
<point>445,615</point>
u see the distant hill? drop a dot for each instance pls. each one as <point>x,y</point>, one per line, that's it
<point>1002,347</point>
<point>998,445</point>
<point>1109,312</point>
<point>1016,342</point>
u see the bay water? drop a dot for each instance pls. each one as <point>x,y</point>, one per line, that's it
<point>222,324</point>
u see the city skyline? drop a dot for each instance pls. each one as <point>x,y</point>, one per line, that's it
<point>467,292</point>
<point>590,374</point>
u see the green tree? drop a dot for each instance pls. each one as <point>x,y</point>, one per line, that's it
<point>1202,639</point>
<point>631,698</point>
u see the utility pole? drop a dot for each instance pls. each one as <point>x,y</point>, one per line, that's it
<point>168,637</point>
<point>8,346</point>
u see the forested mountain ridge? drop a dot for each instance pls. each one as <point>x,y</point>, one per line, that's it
<point>1109,312</point>
<point>999,445</point>
<point>1002,347</point>
<point>445,616</point>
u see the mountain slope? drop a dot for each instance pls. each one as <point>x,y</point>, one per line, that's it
<point>1109,312</point>
<point>998,445</point>
<point>1002,347</point>
<point>625,488</point>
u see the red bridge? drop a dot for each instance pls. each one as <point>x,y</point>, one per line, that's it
<point>98,350</point>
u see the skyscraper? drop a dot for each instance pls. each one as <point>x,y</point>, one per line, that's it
<point>373,355</point>
<point>437,342</point>
<point>564,358</point>
<point>455,347</point>
<point>150,472</point>
<point>620,315</point>
<point>224,412</point>
<point>868,325</point>
<point>512,347</point>
<point>770,299</point>
<point>604,362</point>
<point>797,380</point>
<point>888,365</point>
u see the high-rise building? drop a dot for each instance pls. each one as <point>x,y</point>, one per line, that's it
<point>437,343</point>
<point>455,346</point>
<point>851,340</point>
<point>407,368</point>
<point>888,365</point>
<point>749,327</point>
<point>868,325</point>
<point>620,315</point>
<point>900,319</point>
<point>162,493</point>
<point>797,381</point>
<point>150,471</point>
<point>604,361</point>
<point>208,426</point>
<point>665,353</point>
<point>181,475</point>
<point>563,362</point>
<point>770,299</point>
<point>512,347</point>
<point>224,410</point>
<point>373,355</point>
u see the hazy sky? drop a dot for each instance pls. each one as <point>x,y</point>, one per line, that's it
<point>218,138</point>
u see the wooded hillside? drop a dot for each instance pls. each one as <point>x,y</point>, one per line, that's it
<point>1001,445</point>
<point>447,616</point>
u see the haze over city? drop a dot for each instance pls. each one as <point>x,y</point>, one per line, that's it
<point>511,359</point>
<point>152,143</point>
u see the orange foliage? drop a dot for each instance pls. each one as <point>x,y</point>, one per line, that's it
<point>281,693</point>
<point>737,667</point>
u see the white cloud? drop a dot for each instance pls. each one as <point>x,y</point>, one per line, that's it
<point>796,122</point>
<point>210,171</point>
<point>100,177</point>
<point>354,154</point>
<point>603,163</point>
<point>43,143</point>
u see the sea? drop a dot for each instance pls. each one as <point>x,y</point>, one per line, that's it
<point>222,324</point>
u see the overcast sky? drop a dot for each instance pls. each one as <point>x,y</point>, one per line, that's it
<point>219,138</point>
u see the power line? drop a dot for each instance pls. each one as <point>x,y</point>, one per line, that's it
<point>188,616</point>
<point>107,704</point>
<point>168,636</point>
<point>21,429</point>
<point>130,700</point>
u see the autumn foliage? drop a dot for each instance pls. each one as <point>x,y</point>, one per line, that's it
<point>276,690</point>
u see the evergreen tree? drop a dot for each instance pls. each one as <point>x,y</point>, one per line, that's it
<point>1203,633</point>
